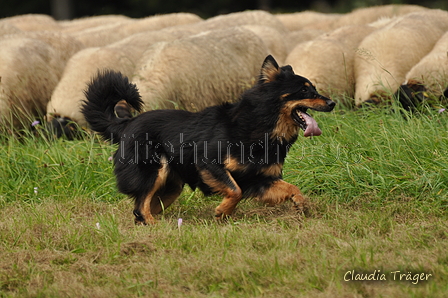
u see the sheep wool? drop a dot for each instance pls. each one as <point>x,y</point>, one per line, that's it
<point>386,55</point>
<point>77,25</point>
<point>273,39</point>
<point>29,71</point>
<point>120,56</point>
<point>328,60</point>
<point>293,38</point>
<point>367,15</point>
<point>250,17</point>
<point>32,22</point>
<point>198,71</point>
<point>113,32</point>
<point>432,70</point>
<point>308,20</point>
<point>64,44</point>
<point>236,19</point>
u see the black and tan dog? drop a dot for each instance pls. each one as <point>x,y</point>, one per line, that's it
<point>234,149</point>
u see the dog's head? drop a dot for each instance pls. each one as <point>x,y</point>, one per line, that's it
<point>294,95</point>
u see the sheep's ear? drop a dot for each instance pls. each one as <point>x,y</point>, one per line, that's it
<point>269,70</point>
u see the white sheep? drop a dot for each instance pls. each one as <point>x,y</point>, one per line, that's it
<point>120,56</point>
<point>198,71</point>
<point>386,55</point>
<point>123,55</point>
<point>328,60</point>
<point>432,70</point>
<point>29,71</point>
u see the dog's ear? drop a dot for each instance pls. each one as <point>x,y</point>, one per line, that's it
<point>269,70</point>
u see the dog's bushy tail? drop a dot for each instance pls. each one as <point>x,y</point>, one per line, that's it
<point>103,93</point>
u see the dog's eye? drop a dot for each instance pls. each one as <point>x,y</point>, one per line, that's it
<point>304,90</point>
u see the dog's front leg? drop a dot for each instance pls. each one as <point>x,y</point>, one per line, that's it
<point>220,181</point>
<point>280,191</point>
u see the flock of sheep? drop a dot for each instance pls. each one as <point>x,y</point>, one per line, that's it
<point>182,61</point>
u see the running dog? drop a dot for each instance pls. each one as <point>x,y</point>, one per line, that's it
<point>233,149</point>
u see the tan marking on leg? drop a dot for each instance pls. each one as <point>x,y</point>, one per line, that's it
<point>281,191</point>
<point>232,195</point>
<point>168,194</point>
<point>145,207</point>
<point>232,164</point>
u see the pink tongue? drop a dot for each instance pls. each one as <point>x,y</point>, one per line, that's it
<point>312,128</point>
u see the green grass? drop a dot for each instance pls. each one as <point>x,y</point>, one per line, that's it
<point>378,181</point>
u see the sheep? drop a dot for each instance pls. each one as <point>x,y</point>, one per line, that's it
<point>195,70</point>
<point>29,71</point>
<point>328,60</point>
<point>120,56</point>
<point>22,97</point>
<point>110,33</point>
<point>386,55</point>
<point>432,70</point>
<point>198,71</point>
<point>32,22</point>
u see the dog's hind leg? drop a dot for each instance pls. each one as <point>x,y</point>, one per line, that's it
<point>142,211</point>
<point>220,181</point>
<point>168,194</point>
<point>281,191</point>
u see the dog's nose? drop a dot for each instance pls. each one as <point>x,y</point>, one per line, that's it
<point>331,103</point>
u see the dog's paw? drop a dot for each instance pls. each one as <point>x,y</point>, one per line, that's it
<point>220,214</point>
<point>140,220</point>
<point>301,204</point>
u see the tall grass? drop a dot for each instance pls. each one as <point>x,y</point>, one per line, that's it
<point>378,180</point>
<point>379,154</point>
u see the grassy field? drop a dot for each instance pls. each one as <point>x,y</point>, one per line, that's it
<point>378,181</point>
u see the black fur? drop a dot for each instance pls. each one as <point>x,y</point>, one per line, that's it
<point>161,150</point>
<point>63,127</point>
<point>411,96</point>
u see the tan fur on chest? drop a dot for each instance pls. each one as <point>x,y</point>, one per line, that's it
<point>285,128</point>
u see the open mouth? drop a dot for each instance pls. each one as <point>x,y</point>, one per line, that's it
<point>306,122</point>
